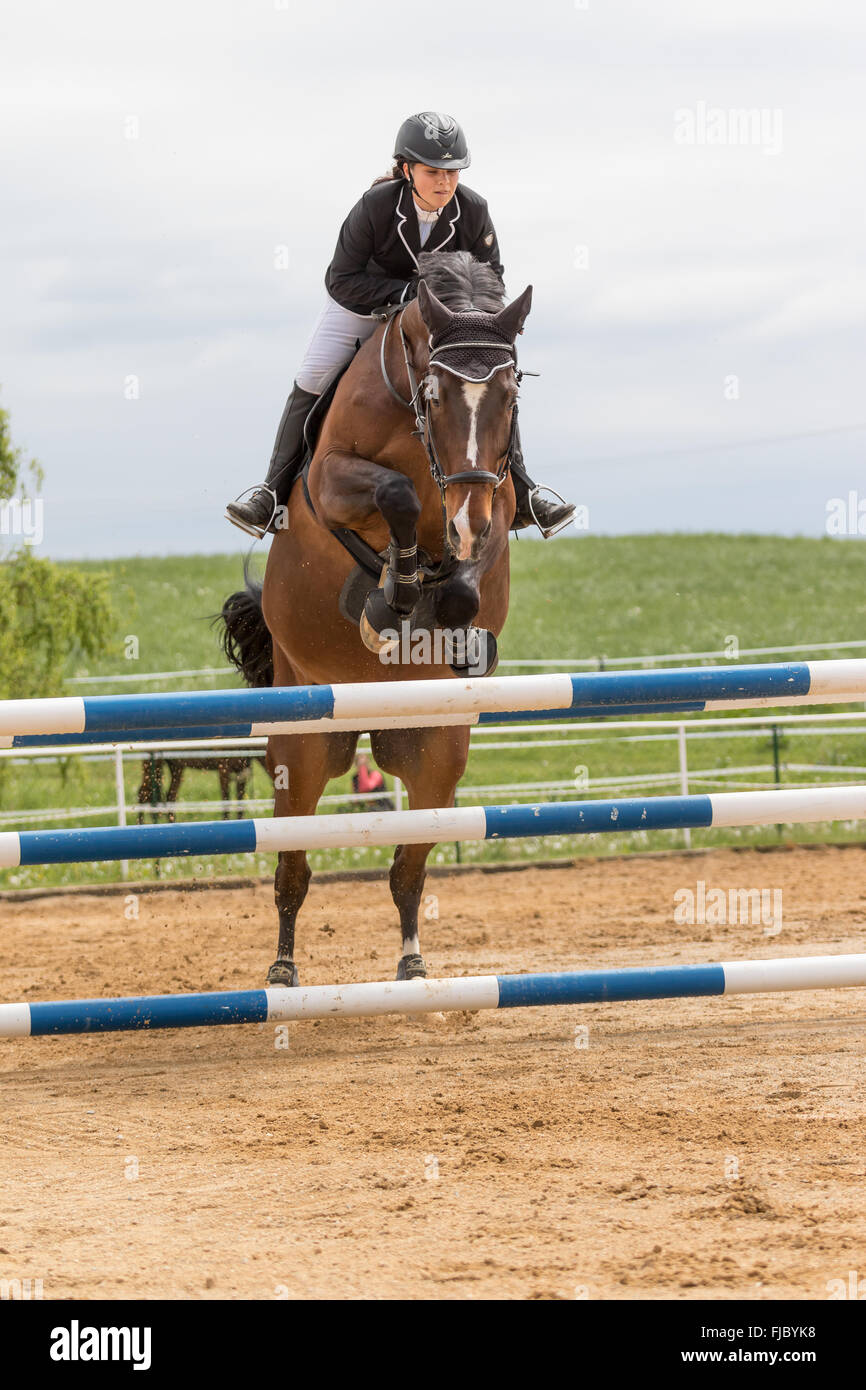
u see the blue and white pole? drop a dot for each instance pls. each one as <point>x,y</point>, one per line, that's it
<point>792,806</point>
<point>430,996</point>
<point>425,703</point>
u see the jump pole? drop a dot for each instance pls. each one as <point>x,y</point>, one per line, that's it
<point>430,996</point>
<point>424,703</point>
<point>791,806</point>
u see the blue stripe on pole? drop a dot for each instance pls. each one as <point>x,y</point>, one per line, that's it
<point>132,735</point>
<point>160,1011</point>
<point>592,712</point>
<point>137,842</point>
<point>709,683</point>
<point>591,817</point>
<point>266,706</point>
<point>600,986</point>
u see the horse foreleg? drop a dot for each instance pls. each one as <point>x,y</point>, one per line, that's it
<point>301,766</point>
<point>351,492</point>
<point>430,763</point>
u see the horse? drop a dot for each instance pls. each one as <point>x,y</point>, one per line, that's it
<point>412,456</point>
<point>150,792</point>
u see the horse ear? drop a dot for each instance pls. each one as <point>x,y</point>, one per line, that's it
<point>512,318</point>
<point>435,314</point>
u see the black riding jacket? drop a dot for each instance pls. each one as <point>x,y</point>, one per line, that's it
<point>376,259</point>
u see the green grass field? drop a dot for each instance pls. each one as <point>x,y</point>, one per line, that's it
<point>575,598</point>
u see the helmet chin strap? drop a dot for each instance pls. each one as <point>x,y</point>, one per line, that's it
<point>428,207</point>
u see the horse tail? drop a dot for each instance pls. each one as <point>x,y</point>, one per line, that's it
<point>244,637</point>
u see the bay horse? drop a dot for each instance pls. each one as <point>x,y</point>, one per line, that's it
<point>413,455</point>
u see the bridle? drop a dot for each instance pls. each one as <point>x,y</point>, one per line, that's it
<point>424,430</point>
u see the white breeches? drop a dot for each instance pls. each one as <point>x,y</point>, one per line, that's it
<point>332,345</point>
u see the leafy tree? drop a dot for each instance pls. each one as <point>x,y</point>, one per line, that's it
<point>49,613</point>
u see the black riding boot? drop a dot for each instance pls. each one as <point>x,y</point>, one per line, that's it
<point>532,508</point>
<point>256,514</point>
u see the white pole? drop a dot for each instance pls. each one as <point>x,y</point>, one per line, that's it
<point>398,794</point>
<point>684,775</point>
<point>121,802</point>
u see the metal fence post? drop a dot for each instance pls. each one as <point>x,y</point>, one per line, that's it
<point>684,775</point>
<point>121,802</point>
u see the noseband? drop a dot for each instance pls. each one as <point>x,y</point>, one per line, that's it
<point>479,348</point>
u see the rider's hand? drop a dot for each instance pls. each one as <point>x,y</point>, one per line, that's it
<point>411,289</point>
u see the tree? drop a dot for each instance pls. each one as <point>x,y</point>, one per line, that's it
<point>49,613</point>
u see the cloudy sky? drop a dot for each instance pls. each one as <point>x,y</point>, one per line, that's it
<point>700,291</point>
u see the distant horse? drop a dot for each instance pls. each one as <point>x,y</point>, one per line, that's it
<point>228,769</point>
<point>413,456</point>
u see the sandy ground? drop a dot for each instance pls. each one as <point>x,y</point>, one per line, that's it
<point>691,1149</point>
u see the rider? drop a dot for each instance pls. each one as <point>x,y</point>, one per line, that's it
<point>415,207</point>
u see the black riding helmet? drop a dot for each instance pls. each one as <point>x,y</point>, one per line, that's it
<point>434,139</point>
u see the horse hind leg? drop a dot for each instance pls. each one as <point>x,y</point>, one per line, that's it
<point>406,879</point>
<point>301,766</point>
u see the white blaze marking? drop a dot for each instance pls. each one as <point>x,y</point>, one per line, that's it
<point>473,394</point>
<point>464,531</point>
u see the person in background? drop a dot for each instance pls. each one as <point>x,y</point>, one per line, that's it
<point>367,781</point>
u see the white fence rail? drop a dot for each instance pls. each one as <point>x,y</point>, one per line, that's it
<point>484,738</point>
<point>568,663</point>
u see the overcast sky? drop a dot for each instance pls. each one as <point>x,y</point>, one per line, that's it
<point>699,307</point>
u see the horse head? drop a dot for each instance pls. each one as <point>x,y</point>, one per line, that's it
<point>467,402</point>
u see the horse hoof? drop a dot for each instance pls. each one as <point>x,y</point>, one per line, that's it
<point>283,973</point>
<point>411,968</point>
<point>379,618</point>
<point>479,655</point>
<point>374,642</point>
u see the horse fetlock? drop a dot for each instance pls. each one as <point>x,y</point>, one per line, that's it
<point>402,581</point>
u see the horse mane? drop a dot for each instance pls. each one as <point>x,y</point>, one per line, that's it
<point>461,282</point>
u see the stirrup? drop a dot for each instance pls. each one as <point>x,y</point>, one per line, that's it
<point>548,531</point>
<point>257,532</point>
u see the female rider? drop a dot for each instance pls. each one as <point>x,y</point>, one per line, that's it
<point>416,207</point>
